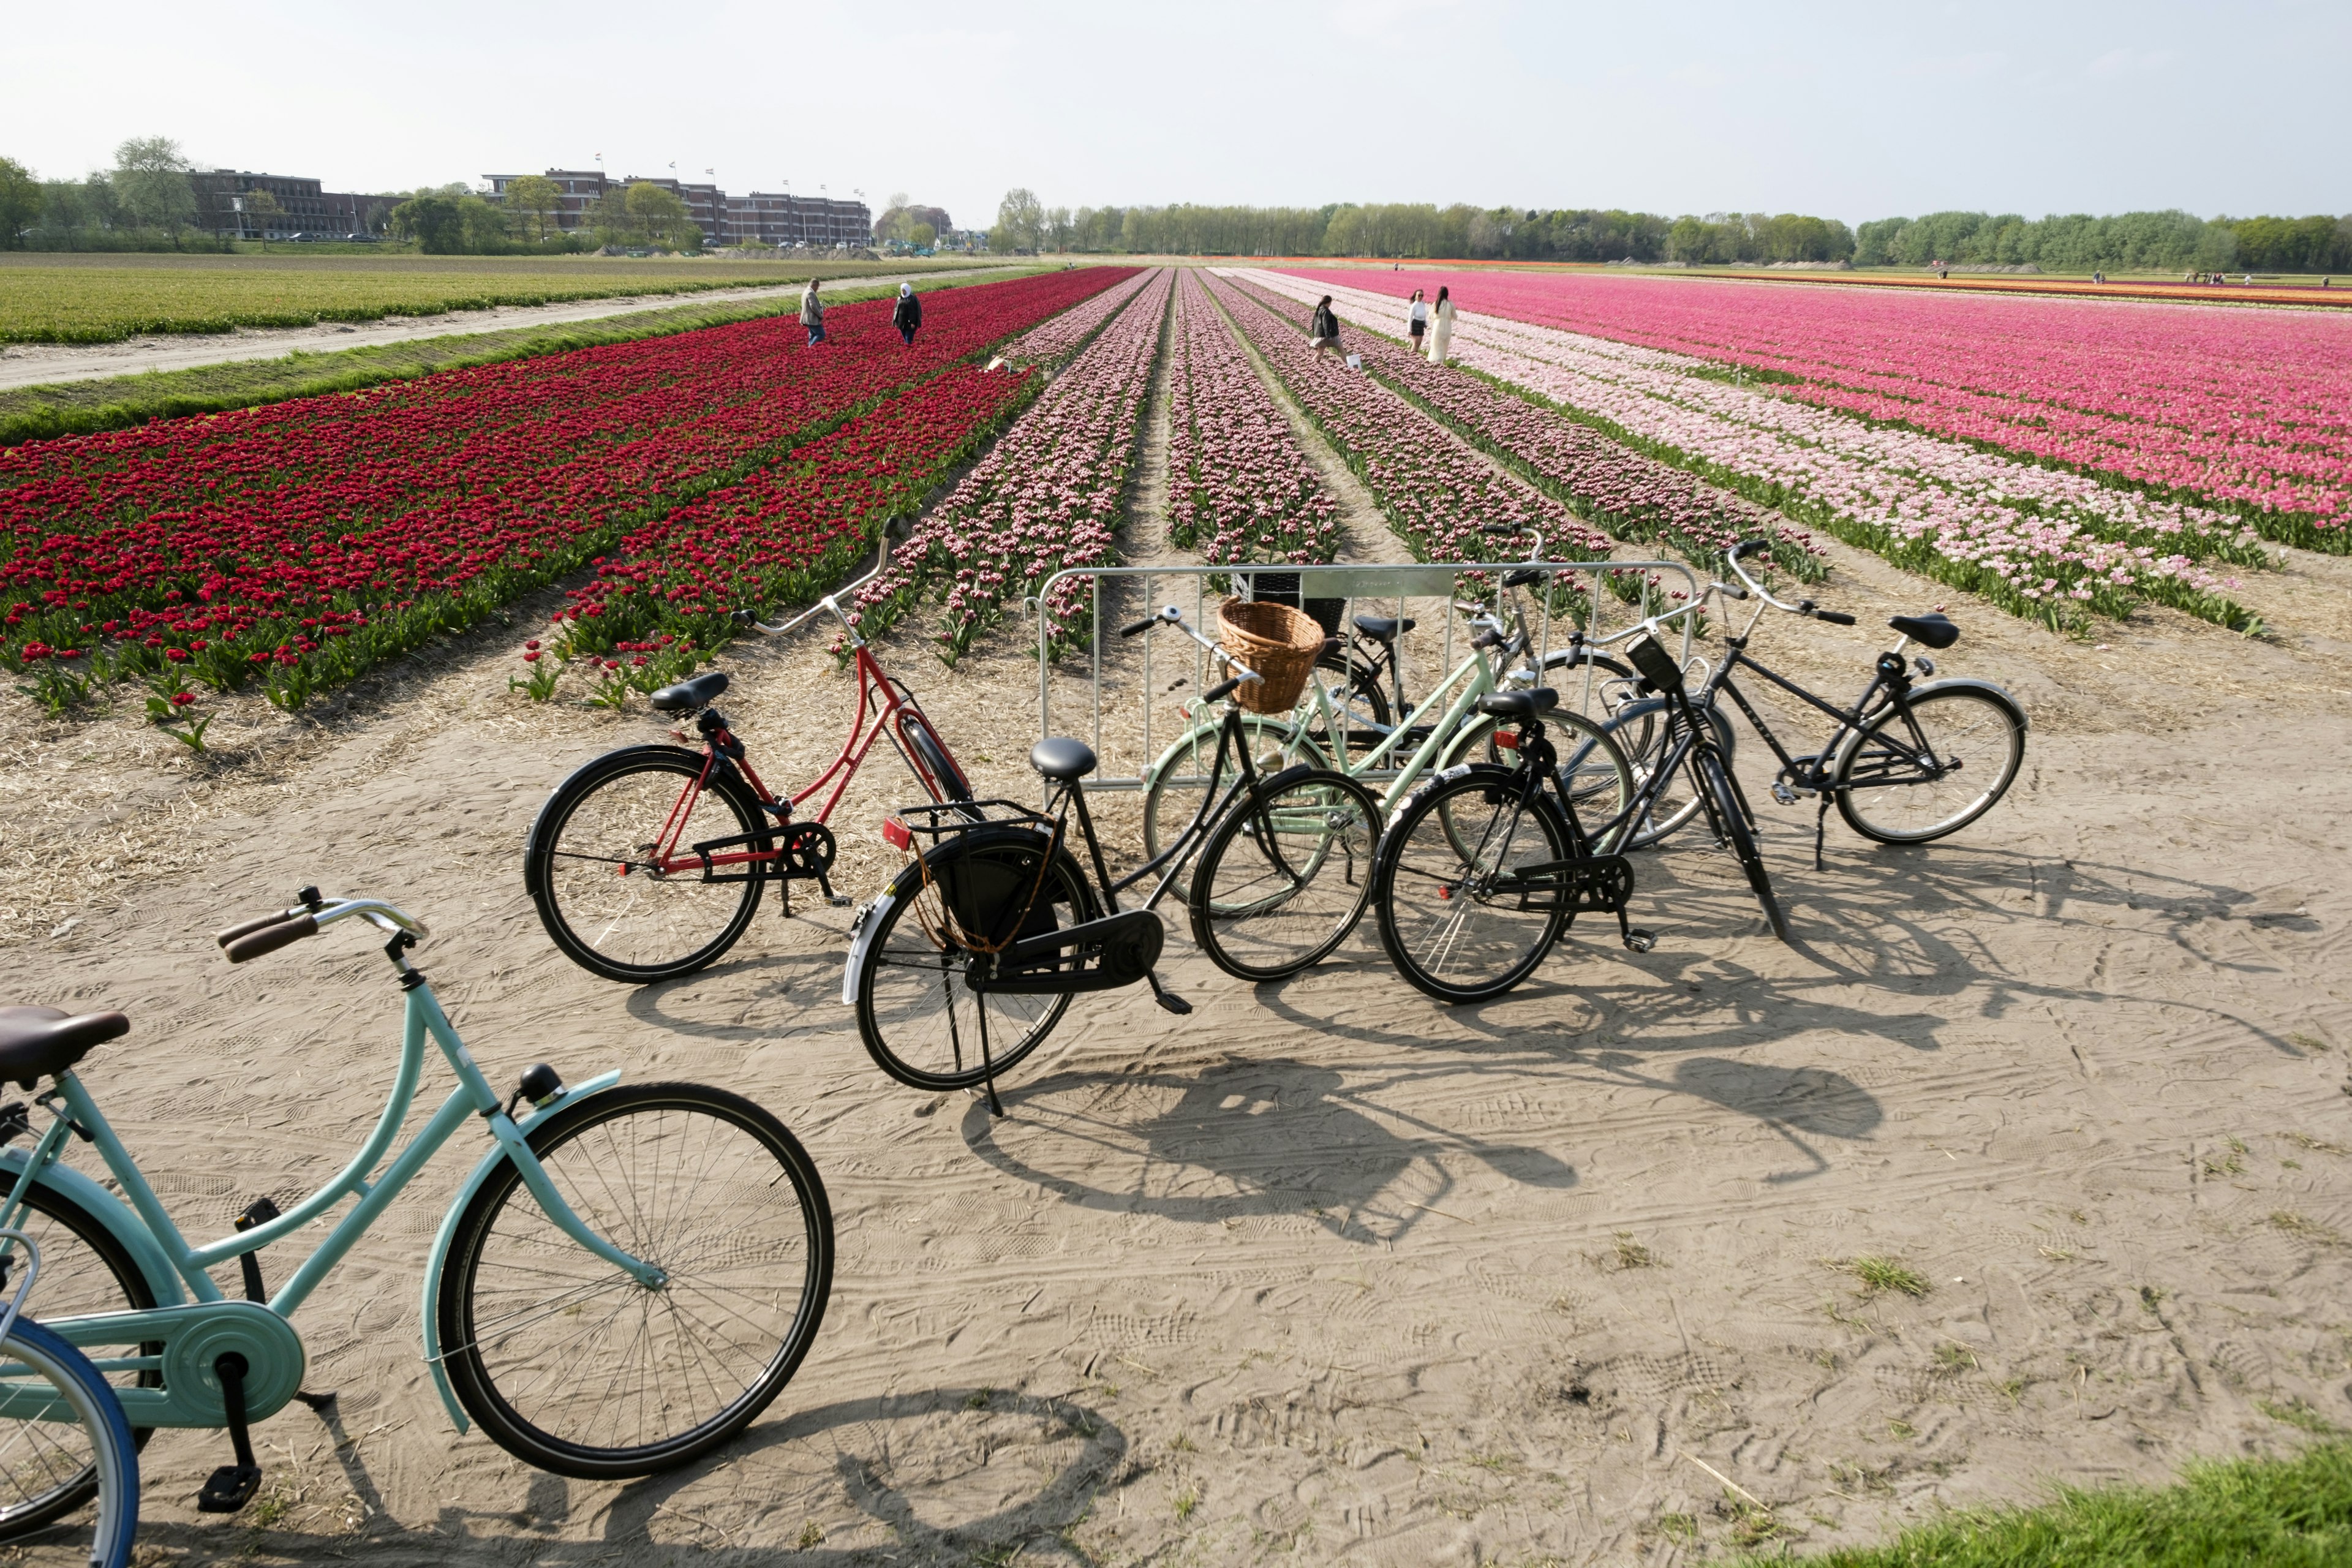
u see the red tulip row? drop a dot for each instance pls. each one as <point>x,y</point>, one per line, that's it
<point>308,539</point>
<point>1635,498</point>
<point>1240,489</point>
<point>1047,498</point>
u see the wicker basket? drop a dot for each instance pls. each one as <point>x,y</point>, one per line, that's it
<point>1274,640</point>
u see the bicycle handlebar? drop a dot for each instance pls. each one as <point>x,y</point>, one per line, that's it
<point>1802,608</point>
<point>251,938</point>
<point>750,622</point>
<point>1171,616</point>
<point>270,938</point>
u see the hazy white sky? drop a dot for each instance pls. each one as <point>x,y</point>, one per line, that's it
<point>1848,110</point>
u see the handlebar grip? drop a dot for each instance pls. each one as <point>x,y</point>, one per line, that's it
<point>1499,530</point>
<point>1221,690</point>
<point>1834,617</point>
<point>1144,624</point>
<point>1488,638</point>
<point>246,928</point>
<point>1730,592</point>
<point>270,938</point>
<point>1748,547</point>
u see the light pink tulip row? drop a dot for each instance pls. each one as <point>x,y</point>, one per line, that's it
<point>1239,487</point>
<point>1055,341</point>
<point>2251,407</point>
<point>2033,539</point>
<point>1047,497</point>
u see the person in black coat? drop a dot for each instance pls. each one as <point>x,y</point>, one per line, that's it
<point>907,313</point>
<point>1323,327</point>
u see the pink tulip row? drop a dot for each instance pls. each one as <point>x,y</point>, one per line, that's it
<point>2252,408</point>
<point>1047,497</point>
<point>2038,540</point>
<point>1056,341</point>
<point>1437,491</point>
<point>1635,498</point>
<point>1239,487</point>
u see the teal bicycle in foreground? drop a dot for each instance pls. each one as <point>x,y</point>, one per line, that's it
<point>627,1279</point>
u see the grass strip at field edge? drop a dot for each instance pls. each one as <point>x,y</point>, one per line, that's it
<point>118,403</point>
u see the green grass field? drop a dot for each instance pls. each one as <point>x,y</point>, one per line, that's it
<point>46,297</point>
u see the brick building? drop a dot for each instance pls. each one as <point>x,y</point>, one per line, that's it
<point>222,207</point>
<point>759,218</point>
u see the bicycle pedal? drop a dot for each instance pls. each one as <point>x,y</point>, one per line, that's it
<point>229,1489</point>
<point>1640,941</point>
<point>838,900</point>
<point>1173,1003</point>
<point>1784,795</point>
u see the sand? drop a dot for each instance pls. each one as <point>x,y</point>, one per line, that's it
<point>1324,1272</point>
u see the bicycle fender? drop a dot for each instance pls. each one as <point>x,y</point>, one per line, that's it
<point>869,920</point>
<point>482,1173</point>
<point>111,1212</point>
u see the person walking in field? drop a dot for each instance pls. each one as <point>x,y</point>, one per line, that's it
<point>1440,342</point>
<point>907,315</point>
<point>813,313</point>
<point>1416,318</point>
<point>1323,329</point>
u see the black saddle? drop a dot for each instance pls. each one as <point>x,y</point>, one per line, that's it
<point>688,695</point>
<point>1382,628</point>
<point>1061,759</point>
<point>1520,704</point>
<point>42,1042</point>
<point>1933,630</point>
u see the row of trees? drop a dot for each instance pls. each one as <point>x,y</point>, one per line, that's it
<point>2152,241</point>
<point>145,200</point>
<point>453,219</point>
<point>918,225</point>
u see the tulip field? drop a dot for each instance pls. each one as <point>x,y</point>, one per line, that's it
<point>2243,409</point>
<point>2043,541</point>
<point>299,543</point>
<point>2066,461</point>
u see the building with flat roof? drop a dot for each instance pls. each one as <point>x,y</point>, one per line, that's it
<point>760,219</point>
<point>224,207</point>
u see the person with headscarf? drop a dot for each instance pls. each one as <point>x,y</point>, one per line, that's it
<point>1323,327</point>
<point>1442,339</point>
<point>813,313</point>
<point>907,313</point>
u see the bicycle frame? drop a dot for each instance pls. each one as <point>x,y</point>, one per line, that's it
<point>197,1322</point>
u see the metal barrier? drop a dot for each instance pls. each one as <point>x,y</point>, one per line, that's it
<point>1378,583</point>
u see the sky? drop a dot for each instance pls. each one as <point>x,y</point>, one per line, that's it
<point>1853,111</point>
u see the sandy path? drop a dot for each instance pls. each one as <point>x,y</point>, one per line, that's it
<point>1325,1273</point>
<point>32,364</point>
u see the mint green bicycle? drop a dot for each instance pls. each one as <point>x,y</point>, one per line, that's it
<point>628,1279</point>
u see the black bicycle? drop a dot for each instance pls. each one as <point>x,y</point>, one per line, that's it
<point>1906,763</point>
<point>969,958</point>
<point>1485,866</point>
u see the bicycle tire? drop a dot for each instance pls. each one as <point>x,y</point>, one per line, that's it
<point>1179,777</point>
<point>738,1251</point>
<point>1593,769</point>
<point>1730,808</point>
<point>1422,885</point>
<point>898,1006</point>
<point>1366,698</point>
<point>659,927</point>
<point>96,1274</point>
<point>38,1448</point>
<point>1673,811</point>
<point>1885,746</point>
<point>1558,666</point>
<point>933,753</point>
<point>1262,903</point>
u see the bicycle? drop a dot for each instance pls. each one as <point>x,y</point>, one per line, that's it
<point>74,1427</point>
<point>627,1278</point>
<point>1598,775</point>
<point>1483,867</point>
<point>1888,764</point>
<point>647,862</point>
<point>1004,905</point>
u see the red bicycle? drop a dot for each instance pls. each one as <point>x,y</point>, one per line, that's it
<point>647,862</point>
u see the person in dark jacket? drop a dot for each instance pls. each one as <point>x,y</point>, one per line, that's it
<point>1323,327</point>
<point>907,315</point>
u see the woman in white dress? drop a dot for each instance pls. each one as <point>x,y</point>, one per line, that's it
<point>1442,338</point>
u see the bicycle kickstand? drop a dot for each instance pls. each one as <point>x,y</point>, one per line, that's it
<point>1821,827</point>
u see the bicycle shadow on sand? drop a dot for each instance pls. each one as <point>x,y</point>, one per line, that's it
<point>1239,1139</point>
<point>930,1468</point>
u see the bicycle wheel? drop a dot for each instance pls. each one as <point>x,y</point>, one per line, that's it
<point>607,908</point>
<point>932,752</point>
<point>1464,926</point>
<point>1729,809</point>
<point>72,1427</point>
<point>920,1021</point>
<point>1357,697</point>
<point>84,1269</point>
<point>1593,768</point>
<point>1678,797</point>
<point>1181,777</point>
<point>568,1363</point>
<point>1613,685</point>
<point>1285,875</point>
<point>1911,781</point>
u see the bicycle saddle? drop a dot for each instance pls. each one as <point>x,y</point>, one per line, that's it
<point>1061,759</point>
<point>688,695</point>
<point>1932,629</point>
<point>41,1042</point>
<point>1520,704</point>
<point>1380,628</point>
